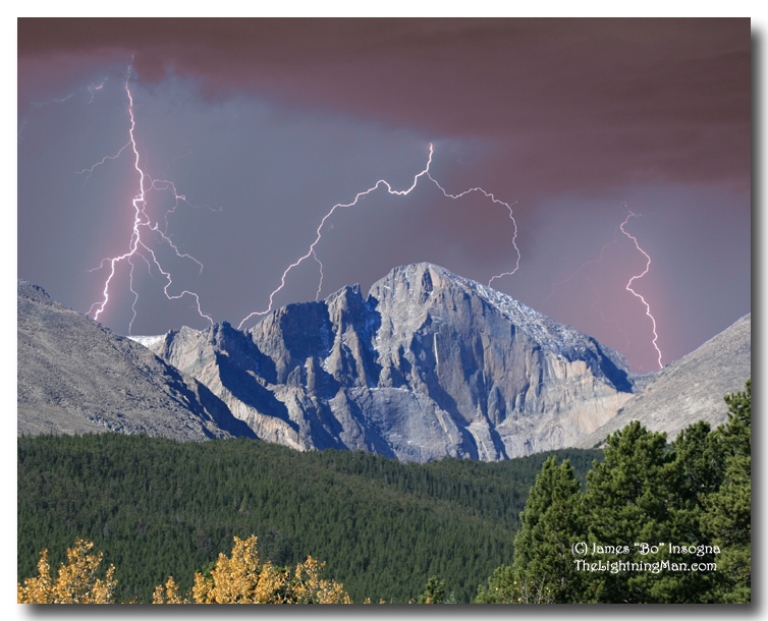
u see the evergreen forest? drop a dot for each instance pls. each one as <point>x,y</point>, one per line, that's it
<point>639,521</point>
<point>157,507</point>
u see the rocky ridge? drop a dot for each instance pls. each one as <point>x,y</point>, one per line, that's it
<point>689,389</point>
<point>75,377</point>
<point>428,365</point>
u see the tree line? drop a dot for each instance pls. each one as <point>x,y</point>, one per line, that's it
<point>626,524</point>
<point>157,507</point>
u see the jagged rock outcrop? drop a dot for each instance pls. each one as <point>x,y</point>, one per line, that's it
<point>75,376</point>
<point>689,389</point>
<point>428,365</point>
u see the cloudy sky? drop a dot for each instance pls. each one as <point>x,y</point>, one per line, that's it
<point>230,140</point>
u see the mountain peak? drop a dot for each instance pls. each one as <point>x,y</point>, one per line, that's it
<point>425,287</point>
<point>430,364</point>
<point>420,277</point>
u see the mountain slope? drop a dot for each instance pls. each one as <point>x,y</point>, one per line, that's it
<point>75,376</point>
<point>689,389</point>
<point>428,365</point>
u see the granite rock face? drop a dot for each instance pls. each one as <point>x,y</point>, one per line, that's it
<point>689,389</point>
<point>75,377</point>
<point>428,365</point>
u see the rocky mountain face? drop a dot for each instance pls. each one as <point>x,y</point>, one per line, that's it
<point>689,389</point>
<point>428,365</point>
<point>75,376</point>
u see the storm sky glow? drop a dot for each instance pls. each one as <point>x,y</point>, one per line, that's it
<point>360,196</point>
<point>259,126</point>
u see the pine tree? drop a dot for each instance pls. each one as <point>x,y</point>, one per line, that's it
<point>629,500</point>
<point>543,570</point>
<point>697,470</point>
<point>728,515</point>
<point>434,592</point>
<point>502,587</point>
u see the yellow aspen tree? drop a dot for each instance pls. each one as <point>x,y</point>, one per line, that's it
<point>168,594</point>
<point>37,590</point>
<point>77,581</point>
<point>234,579</point>
<point>242,579</point>
<point>272,586</point>
<point>309,588</point>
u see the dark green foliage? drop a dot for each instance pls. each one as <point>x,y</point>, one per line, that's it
<point>697,470</point>
<point>434,592</point>
<point>694,494</point>
<point>727,516</point>
<point>629,500</point>
<point>551,524</point>
<point>502,588</point>
<point>158,508</point>
<point>543,570</point>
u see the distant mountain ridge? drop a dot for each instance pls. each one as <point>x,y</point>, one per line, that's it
<point>75,376</point>
<point>427,365</point>
<point>689,389</point>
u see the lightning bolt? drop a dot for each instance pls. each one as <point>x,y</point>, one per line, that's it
<point>312,250</point>
<point>628,286</point>
<point>495,201</point>
<point>93,88</point>
<point>87,171</point>
<point>137,246</point>
<point>634,278</point>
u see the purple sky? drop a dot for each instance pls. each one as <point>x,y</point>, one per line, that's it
<point>264,125</point>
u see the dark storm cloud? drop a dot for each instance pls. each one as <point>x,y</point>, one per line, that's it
<point>591,103</point>
<point>266,123</point>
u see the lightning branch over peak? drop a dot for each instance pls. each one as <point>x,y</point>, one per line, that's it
<point>312,250</point>
<point>596,303</point>
<point>629,288</point>
<point>143,230</point>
